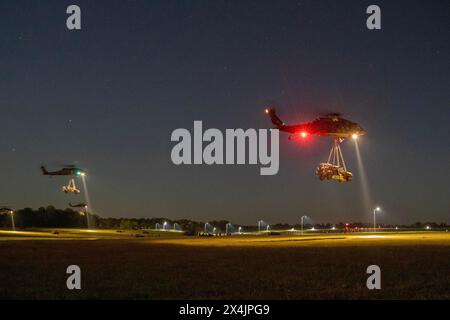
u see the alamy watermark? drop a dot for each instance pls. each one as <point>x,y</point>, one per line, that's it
<point>249,146</point>
<point>73,21</point>
<point>373,22</point>
<point>74,280</point>
<point>374,280</point>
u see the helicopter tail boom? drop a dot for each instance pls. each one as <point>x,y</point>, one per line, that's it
<point>274,118</point>
<point>44,171</point>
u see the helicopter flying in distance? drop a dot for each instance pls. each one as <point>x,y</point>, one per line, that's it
<point>69,170</point>
<point>6,210</point>
<point>331,125</point>
<point>78,205</point>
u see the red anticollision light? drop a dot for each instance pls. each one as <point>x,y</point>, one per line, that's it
<point>303,134</point>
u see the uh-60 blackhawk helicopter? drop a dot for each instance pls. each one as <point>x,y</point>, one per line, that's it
<point>330,125</point>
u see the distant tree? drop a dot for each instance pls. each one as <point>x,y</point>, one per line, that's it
<point>418,225</point>
<point>127,224</point>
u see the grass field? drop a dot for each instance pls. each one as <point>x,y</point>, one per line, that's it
<point>168,265</point>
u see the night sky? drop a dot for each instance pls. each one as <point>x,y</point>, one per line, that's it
<point>109,96</point>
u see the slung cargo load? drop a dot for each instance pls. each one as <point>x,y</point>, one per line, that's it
<point>334,168</point>
<point>71,187</point>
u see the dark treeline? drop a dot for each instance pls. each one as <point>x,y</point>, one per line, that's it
<point>189,226</point>
<point>50,217</point>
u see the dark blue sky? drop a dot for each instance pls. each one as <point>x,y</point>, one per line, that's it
<point>110,95</point>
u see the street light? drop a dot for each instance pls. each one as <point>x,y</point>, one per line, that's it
<point>206,225</point>
<point>374,217</point>
<point>164,225</point>
<point>227,228</point>
<point>259,225</point>
<point>301,219</point>
<point>240,229</point>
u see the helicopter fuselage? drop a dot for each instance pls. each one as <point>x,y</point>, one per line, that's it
<point>331,126</point>
<point>64,172</point>
<point>337,127</point>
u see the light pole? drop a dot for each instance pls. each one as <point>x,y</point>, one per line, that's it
<point>164,225</point>
<point>227,228</point>
<point>301,219</point>
<point>206,225</point>
<point>374,217</point>
<point>259,225</point>
<point>240,229</point>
